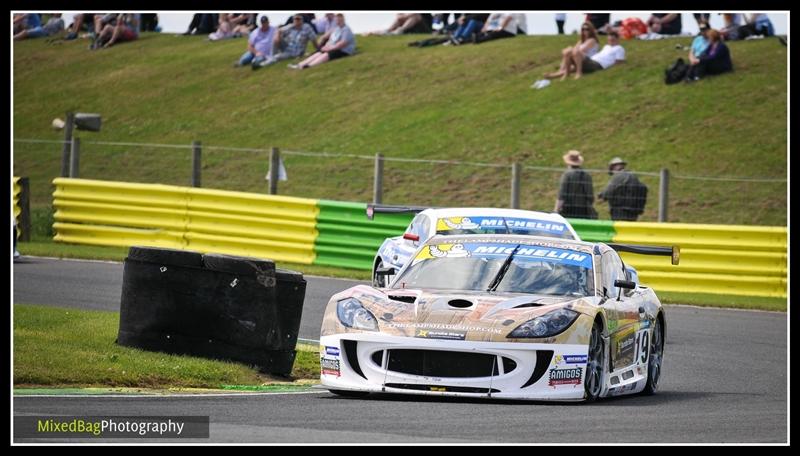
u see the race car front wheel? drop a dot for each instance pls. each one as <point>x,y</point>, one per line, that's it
<point>594,365</point>
<point>656,358</point>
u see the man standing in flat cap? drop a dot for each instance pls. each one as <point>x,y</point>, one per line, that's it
<point>575,191</point>
<point>625,193</point>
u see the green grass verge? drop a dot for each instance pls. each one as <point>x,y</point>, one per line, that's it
<point>470,103</point>
<point>48,248</point>
<point>58,347</point>
<point>718,300</point>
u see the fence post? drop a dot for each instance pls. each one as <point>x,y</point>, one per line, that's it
<point>274,168</point>
<point>663,195</point>
<point>377,183</point>
<point>515,176</point>
<point>75,158</point>
<point>67,145</point>
<point>25,209</point>
<point>196,161</point>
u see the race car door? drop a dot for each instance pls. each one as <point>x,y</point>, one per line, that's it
<point>622,312</point>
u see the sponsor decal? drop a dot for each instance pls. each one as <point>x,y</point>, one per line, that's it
<point>568,376</point>
<point>330,367</point>
<point>333,351</point>
<point>644,324</point>
<point>444,326</point>
<point>502,250</point>
<point>624,353</point>
<point>438,388</point>
<point>435,334</point>
<point>501,224</point>
<point>575,359</point>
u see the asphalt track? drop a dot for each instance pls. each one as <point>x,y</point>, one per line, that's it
<point>725,380</point>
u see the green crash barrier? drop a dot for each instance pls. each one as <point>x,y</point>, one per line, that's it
<point>594,230</point>
<point>348,239</point>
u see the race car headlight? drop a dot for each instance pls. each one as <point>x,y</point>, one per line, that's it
<point>353,315</point>
<point>547,325</point>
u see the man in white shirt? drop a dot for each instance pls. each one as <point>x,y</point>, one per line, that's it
<point>612,53</point>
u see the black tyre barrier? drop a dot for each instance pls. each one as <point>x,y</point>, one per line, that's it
<point>246,312</point>
<point>166,257</point>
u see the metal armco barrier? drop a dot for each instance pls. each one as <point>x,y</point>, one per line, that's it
<point>721,259</point>
<point>215,306</point>
<point>123,214</point>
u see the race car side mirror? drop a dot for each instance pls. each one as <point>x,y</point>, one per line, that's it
<point>411,237</point>
<point>623,284</point>
<point>385,271</point>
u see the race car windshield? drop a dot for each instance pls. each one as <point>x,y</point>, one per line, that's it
<point>473,267</point>
<point>504,225</point>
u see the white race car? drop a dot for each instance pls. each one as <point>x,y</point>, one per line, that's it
<point>501,316</point>
<point>396,251</point>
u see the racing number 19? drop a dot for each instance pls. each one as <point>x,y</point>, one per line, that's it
<point>643,345</point>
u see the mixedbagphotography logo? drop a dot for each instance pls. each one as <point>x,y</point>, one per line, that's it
<point>147,427</point>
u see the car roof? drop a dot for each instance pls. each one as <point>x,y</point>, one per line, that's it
<point>582,246</point>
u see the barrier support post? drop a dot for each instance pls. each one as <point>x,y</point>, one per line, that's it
<point>274,168</point>
<point>515,177</point>
<point>75,158</point>
<point>67,145</point>
<point>663,195</point>
<point>377,184</point>
<point>196,162</point>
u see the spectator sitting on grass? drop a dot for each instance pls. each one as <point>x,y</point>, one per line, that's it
<point>79,23</point>
<point>230,26</point>
<point>468,25</point>
<point>408,23</point>
<point>732,24</point>
<point>665,23</point>
<point>308,18</point>
<point>756,24</point>
<point>292,40</point>
<point>53,26</point>
<point>497,26</point>
<point>600,21</point>
<point>325,23</point>
<point>715,60</point>
<point>259,45</point>
<point>340,43</point>
<point>588,45</point>
<point>125,28</point>
<point>612,53</point>
<point>699,44</point>
<point>202,24</point>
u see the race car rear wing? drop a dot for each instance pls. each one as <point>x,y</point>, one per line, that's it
<point>373,209</point>
<point>674,251</point>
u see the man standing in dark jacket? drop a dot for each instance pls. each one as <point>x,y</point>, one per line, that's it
<point>575,191</point>
<point>624,193</point>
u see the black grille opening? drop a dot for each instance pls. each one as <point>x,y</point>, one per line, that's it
<point>436,363</point>
<point>460,303</point>
<point>352,357</point>
<point>508,365</point>
<point>377,358</point>
<point>442,388</point>
<point>408,299</point>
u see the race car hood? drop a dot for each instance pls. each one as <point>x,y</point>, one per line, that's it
<point>461,315</point>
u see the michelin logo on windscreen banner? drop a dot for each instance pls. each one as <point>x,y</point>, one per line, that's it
<point>499,224</point>
<point>134,427</point>
<point>491,250</point>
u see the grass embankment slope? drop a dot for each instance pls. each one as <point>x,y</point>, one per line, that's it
<point>468,102</point>
<point>49,343</point>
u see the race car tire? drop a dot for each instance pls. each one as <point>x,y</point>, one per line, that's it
<point>655,359</point>
<point>346,393</point>
<point>166,257</point>
<point>595,364</point>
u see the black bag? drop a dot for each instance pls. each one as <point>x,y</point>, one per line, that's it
<point>676,72</point>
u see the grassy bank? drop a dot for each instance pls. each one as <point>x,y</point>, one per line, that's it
<point>469,102</point>
<point>49,342</point>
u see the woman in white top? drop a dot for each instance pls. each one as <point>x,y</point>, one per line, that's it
<point>587,46</point>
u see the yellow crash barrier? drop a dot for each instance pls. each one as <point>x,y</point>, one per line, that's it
<point>714,283</point>
<point>124,214</point>
<point>687,235</point>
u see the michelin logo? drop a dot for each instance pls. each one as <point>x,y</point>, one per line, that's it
<point>456,251</point>
<point>531,252</point>
<point>466,224</point>
<point>529,224</point>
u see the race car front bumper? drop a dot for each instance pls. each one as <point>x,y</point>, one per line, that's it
<point>374,362</point>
